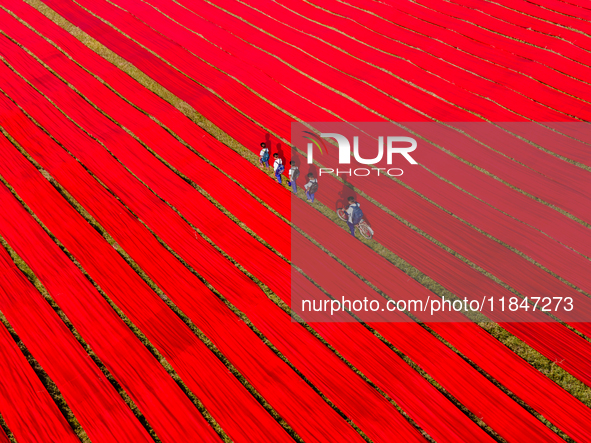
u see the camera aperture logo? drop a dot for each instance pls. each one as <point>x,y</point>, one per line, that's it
<point>344,157</point>
<point>314,140</point>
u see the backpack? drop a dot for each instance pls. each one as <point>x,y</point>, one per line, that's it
<point>357,215</point>
<point>295,174</point>
<point>280,169</point>
<point>265,157</point>
<point>313,187</point>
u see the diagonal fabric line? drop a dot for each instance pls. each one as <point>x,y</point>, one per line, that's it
<point>470,151</point>
<point>26,406</point>
<point>231,334</point>
<point>523,20</point>
<point>408,375</point>
<point>495,30</point>
<point>508,95</point>
<point>562,11</point>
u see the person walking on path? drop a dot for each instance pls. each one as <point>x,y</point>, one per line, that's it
<point>278,167</point>
<point>311,187</point>
<point>294,173</point>
<point>264,156</point>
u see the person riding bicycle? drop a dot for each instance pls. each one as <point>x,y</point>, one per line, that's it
<point>355,215</point>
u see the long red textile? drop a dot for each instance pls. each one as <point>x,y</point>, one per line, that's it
<point>473,54</point>
<point>498,32</point>
<point>564,12</point>
<point>210,179</point>
<point>560,15</point>
<point>243,51</point>
<point>198,17</point>
<point>83,386</point>
<point>485,61</point>
<point>529,181</point>
<point>562,230</point>
<point>353,395</point>
<point>441,34</point>
<point>413,386</point>
<point>245,176</point>
<point>161,173</point>
<point>148,384</point>
<point>28,410</point>
<point>579,234</point>
<point>327,54</point>
<point>454,95</point>
<point>559,64</point>
<point>203,373</point>
<point>119,48</point>
<point>519,18</point>
<point>523,380</point>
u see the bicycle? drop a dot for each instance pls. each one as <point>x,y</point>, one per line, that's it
<point>364,229</point>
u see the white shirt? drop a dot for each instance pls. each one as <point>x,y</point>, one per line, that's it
<point>293,168</point>
<point>307,185</point>
<point>262,152</point>
<point>276,164</point>
<point>350,210</point>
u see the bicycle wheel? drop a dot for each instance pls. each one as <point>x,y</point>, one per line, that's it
<point>365,231</point>
<point>342,214</point>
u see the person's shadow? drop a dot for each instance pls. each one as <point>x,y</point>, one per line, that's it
<point>281,155</point>
<point>268,143</point>
<point>296,157</point>
<point>344,194</point>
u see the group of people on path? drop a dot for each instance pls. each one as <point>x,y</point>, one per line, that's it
<point>311,187</point>
<point>294,173</point>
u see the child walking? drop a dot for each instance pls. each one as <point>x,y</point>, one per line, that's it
<point>311,187</point>
<point>294,173</point>
<point>278,167</point>
<point>264,156</point>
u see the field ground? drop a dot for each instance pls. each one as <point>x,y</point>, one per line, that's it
<point>148,264</point>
